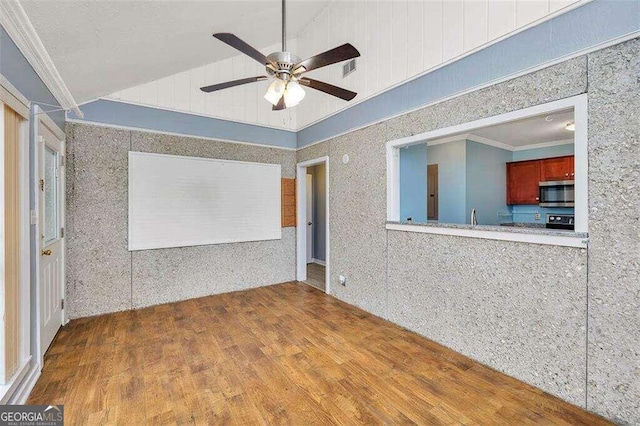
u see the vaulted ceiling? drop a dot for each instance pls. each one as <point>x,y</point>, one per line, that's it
<point>101,47</point>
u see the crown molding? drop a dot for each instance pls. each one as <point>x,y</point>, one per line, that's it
<point>17,24</point>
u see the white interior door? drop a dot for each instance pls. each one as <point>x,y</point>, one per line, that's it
<point>51,247</point>
<point>309,202</point>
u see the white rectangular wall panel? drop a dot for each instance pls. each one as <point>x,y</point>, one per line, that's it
<point>179,201</point>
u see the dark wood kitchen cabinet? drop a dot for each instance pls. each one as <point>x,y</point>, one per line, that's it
<point>523,178</point>
<point>557,168</point>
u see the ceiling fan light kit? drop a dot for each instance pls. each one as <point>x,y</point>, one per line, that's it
<point>287,69</point>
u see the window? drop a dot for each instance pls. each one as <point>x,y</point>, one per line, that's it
<point>51,227</point>
<point>525,169</point>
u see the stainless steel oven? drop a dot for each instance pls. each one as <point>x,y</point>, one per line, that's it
<point>560,221</point>
<point>559,193</point>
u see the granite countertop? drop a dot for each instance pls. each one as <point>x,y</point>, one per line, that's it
<point>516,228</point>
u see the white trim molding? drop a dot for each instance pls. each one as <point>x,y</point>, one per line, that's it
<point>12,97</point>
<point>17,24</point>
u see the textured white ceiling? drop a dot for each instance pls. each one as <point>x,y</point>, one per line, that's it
<point>529,131</point>
<point>101,47</point>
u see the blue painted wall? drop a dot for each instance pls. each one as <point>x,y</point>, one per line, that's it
<point>451,160</point>
<point>15,67</point>
<point>413,183</point>
<point>551,40</point>
<point>123,114</point>
<point>551,151</point>
<point>486,189</point>
<point>526,214</point>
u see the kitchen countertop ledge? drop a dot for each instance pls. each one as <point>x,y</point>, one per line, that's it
<point>498,228</point>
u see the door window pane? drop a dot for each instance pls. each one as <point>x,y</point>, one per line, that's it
<point>50,196</point>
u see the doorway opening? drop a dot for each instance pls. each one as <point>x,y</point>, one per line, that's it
<point>313,220</point>
<point>432,189</point>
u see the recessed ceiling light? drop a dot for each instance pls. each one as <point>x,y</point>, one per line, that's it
<point>570,127</point>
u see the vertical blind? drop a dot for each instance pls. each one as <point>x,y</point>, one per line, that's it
<point>12,187</point>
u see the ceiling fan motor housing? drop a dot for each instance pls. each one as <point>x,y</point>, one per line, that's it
<point>282,64</point>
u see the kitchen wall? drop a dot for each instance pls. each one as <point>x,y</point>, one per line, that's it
<point>319,210</point>
<point>413,183</point>
<point>470,175</point>
<point>452,180</point>
<point>103,276</point>
<point>488,299</point>
<point>486,182</point>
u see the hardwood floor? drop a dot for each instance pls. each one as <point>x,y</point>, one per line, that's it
<point>281,354</point>
<point>315,276</point>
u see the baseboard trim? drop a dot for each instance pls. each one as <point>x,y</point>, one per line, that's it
<point>26,386</point>
<point>318,261</point>
<point>19,388</point>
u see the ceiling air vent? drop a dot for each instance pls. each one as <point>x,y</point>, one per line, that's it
<point>348,68</point>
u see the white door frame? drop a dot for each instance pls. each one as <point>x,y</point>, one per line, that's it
<point>42,119</point>
<point>301,211</point>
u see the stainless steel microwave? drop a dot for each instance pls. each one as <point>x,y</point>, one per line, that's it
<point>559,193</point>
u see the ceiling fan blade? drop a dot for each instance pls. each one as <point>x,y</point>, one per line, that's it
<point>240,45</point>
<point>280,105</point>
<point>336,91</point>
<point>233,83</point>
<point>333,56</point>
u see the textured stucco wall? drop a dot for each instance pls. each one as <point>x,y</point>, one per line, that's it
<point>614,233</point>
<point>103,276</point>
<point>520,308</point>
<point>523,309</point>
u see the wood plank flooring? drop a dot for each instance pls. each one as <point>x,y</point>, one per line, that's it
<point>281,354</point>
<point>316,276</point>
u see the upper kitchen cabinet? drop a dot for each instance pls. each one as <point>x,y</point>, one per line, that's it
<point>523,179</point>
<point>558,168</point>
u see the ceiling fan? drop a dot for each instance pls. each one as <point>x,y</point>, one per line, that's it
<point>288,70</point>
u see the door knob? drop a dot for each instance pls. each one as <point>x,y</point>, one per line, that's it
<point>309,223</point>
<point>46,252</point>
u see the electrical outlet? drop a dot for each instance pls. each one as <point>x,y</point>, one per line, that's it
<point>536,216</point>
<point>342,280</point>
